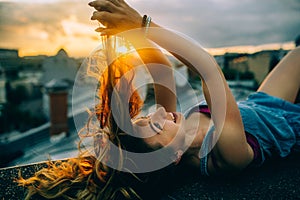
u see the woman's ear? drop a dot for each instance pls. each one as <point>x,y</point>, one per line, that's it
<point>178,155</point>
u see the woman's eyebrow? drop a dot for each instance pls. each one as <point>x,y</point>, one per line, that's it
<point>140,118</point>
<point>144,117</point>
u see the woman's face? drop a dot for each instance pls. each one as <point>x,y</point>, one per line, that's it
<point>161,129</point>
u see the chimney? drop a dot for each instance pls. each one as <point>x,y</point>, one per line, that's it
<point>58,107</point>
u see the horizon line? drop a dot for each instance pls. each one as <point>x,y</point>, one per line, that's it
<point>215,51</point>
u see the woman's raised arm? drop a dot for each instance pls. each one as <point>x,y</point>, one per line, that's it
<point>156,62</point>
<point>231,149</point>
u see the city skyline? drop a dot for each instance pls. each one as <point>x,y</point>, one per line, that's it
<point>44,27</point>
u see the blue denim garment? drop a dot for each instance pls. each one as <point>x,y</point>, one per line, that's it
<point>274,122</point>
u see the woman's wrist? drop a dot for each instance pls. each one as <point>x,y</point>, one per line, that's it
<point>146,23</point>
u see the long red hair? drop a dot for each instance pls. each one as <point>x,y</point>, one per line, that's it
<point>108,80</point>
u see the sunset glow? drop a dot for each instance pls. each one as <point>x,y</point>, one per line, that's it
<point>39,27</point>
<point>251,49</point>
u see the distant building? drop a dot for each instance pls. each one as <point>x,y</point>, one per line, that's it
<point>60,66</point>
<point>9,53</point>
<point>10,62</point>
<point>2,86</point>
<point>220,59</point>
<point>239,62</point>
<point>259,63</point>
<point>297,41</point>
<point>27,74</point>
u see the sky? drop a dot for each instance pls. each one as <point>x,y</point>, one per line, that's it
<point>44,26</point>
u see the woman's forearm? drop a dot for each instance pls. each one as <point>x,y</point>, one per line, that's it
<point>225,112</point>
<point>160,69</point>
<point>121,18</point>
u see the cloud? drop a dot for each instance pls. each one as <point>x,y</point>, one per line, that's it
<point>218,23</point>
<point>214,23</point>
<point>46,17</point>
<point>43,25</point>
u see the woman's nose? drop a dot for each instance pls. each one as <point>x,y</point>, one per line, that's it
<point>159,114</point>
<point>159,117</point>
<point>162,114</point>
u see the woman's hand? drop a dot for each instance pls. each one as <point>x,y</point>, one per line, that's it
<point>115,15</point>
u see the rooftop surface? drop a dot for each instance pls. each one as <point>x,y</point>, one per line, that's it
<point>277,179</point>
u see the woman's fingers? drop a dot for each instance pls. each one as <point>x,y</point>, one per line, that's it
<point>105,31</point>
<point>105,5</point>
<point>116,14</point>
<point>103,17</point>
<point>107,19</point>
<point>100,29</point>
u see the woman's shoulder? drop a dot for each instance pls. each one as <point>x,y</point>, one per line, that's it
<point>200,107</point>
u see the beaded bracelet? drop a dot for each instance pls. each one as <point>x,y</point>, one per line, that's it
<point>146,23</point>
<point>144,20</point>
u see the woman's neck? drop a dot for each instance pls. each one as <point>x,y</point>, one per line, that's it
<point>196,126</point>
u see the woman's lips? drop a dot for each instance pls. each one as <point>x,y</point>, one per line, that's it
<point>175,117</point>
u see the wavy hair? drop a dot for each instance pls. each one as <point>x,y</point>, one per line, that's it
<point>87,177</point>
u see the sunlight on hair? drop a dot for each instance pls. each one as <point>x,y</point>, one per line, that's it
<point>122,49</point>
